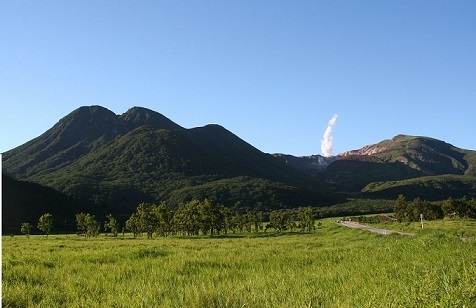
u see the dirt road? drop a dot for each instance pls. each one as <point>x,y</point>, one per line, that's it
<point>355,225</point>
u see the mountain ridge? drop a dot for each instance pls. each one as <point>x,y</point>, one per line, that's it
<point>400,158</point>
<point>140,116</point>
<point>142,156</point>
<point>79,133</point>
<point>118,161</point>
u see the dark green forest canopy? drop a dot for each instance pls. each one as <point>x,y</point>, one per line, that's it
<point>141,156</point>
<point>95,161</point>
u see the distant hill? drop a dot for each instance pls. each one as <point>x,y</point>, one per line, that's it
<point>427,155</point>
<point>141,156</point>
<point>433,188</point>
<point>400,158</point>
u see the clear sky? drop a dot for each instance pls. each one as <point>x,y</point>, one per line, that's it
<point>272,72</point>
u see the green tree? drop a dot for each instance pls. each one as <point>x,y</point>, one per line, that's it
<point>81,223</point>
<point>227,219</point>
<point>45,223</point>
<point>432,211</point>
<point>148,221</point>
<point>415,208</point>
<point>211,217</point>
<point>472,208</point>
<point>291,221</point>
<point>26,228</point>
<point>429,210</point>
<point>132,224</point>
<point>94,226</point>
<point>400,208</point>
<point>450,207</point>
<point>306,218</point>
<point>238,222</point>
<point>164,216</point>
<point>188,218</point>
<point>111,225</point>
<point>88,225</point>
<point>460,207</point>
<point>205,210</point>
<point>253,220</point>
<point>248,219</point>
<point>279,220</point>
<point>410,211</point>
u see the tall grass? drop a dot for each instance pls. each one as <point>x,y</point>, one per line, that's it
<point>458,227</point>
<point>331,267</point>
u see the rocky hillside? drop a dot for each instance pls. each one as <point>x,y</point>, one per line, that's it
<point>427,155</point>
<point>312,165</point>
<point>400,158</point>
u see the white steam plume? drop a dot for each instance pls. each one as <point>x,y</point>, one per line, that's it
<point>328,138</point>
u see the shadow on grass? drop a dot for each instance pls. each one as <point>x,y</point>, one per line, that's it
<point>129,237</point>
<point>245,235</point>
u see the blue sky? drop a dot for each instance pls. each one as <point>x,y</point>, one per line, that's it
<point>272,72</point>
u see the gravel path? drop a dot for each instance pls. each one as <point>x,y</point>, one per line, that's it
<point>355,225</point>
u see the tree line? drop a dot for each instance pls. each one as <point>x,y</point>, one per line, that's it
<point>210,218</point>
<point>410,211</point>
<point>189,219</point>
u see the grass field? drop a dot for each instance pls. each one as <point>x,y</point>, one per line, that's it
<point>332,267</point>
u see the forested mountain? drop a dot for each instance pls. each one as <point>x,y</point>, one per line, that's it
<point>95,160</point>
<point>76,135</point>
<point>141,156</point>
<point>398,159</point>
<point>432,188</point>
<point>426,155</point>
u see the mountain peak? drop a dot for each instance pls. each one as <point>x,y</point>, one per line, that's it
<point>75,135</point>
<point>92,109</point>
<point>89,113</point>
<point>139,116</point>
<point>382,146</point>
<point>90,123</point>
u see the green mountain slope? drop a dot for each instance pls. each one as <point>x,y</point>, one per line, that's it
<point>426,155</point>
<point>353,172</point>
<point>142,156</point>
<point>402,157</point>
<point>436,187</point>
<point>26,202</point>
<point>240,158</point>
<point>143,165</point>
<point>76,135</point>
<point>119,161</point>
<point>244,193</point>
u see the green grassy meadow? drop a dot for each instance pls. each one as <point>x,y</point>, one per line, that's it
<point>333,266</point>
